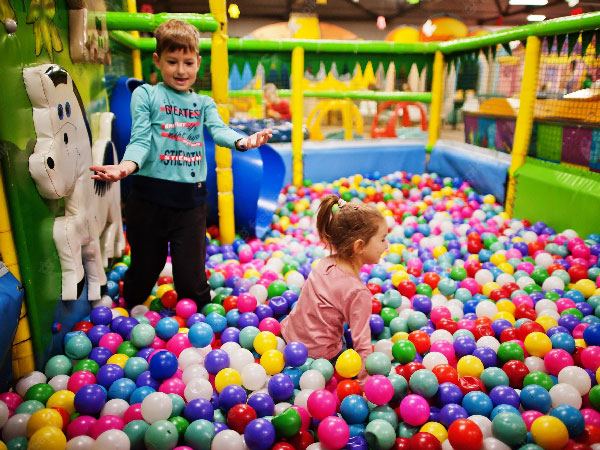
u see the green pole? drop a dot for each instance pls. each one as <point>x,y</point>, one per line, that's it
<point>148,22</point>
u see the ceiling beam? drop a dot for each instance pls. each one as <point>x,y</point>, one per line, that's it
<point>524,10</point>
<point>364,9</point>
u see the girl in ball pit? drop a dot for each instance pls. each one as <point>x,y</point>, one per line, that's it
<point>334,294</point>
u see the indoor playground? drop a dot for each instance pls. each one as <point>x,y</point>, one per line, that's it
<point>481,149</point>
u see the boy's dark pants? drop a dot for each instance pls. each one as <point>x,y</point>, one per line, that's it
<point>150,229</point>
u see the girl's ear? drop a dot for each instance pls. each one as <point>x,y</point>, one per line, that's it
<point>358,246</point>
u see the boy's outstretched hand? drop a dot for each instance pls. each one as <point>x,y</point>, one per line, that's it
<point>113,172</point>
<point>255,140</point>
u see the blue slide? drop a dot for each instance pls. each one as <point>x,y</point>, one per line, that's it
<point>258,174</point>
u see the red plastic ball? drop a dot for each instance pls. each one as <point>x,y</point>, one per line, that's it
<point>464,434</point>
<point>411,368</point>
<point>375,306</point>
<point>432,279</point>
<point>164,280</point>
<point>516,372</point>
<point>84,326</point>
<point>348,387</point>
<point>469,384</point>
<point>445,373</point>
<point>282,446</point>
<point>230,303</point>
<point>483,330</point>
<point>414,271</point>
<point>424,441</point>
<point>169,299</point>
<point>577,272</point>
<point>401,444</point>
<point>407,288</point>
<point>447,324</point>
<point>509,334</point>
<point>239,416</point>
<point>529,327</point>
<point>524,311</point>
<point>301,440</point>
<point>374,288</point>
<point>420,340</point>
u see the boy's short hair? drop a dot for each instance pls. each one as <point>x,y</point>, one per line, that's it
<point>270,87</point>
<point>175,35</point>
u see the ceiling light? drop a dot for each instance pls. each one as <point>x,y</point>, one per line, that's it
<point>572,3</point>
<point>528,2</point>
<point>535,17</point>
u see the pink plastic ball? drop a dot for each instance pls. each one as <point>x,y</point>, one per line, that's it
<point>173,385</point>
<point>470,284</point>
<point>529,416</point>
<point>80,379</point>
<point>513,253</point>
<point>270,324</point>
<point>304,416</point>
<point>105,423</point>
<point>556,360</point>
<point>564,303</point>
<point>526,266</point>
<point>445,348</point>
<point>158,343</point>
<point>321,403</point>
<point>579,329</point>
<point>414,410</point>
<point>178,343</point>
<point>185,308</point>
<point>12,400</point>
<point>134,412</point>
<point>523,299</point>
<point>590,357</point>
<point>80,426</point>
<point>581,251</point>
<point>153,317</point>
<point>466,324</point>
<point>331,385</point>
<point>111,341</point>
<point>333,432</point>
<point>415,263</point>
<point>379,389</point>
<point>440,312</point>
<point>270,275</point>
<point>246,303</point>
<point>591,416</point>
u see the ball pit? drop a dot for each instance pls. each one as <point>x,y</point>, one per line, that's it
<point>486,334</point>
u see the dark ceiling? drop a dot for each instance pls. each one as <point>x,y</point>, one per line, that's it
<point>396,12</point>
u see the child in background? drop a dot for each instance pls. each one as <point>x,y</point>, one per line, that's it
<point>276,108</point>
<point>334,294</point>
<point>167,202</point>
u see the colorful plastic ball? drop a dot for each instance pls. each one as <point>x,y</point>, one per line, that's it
<point>262,403</point>
<point>108,374</point>
<point>199,408</point>
<point>414,410</point>
<point>378,363</point>
<point>230,396</point>
<point>81,425</point>
<point>354,409</point>
<point>288,423</point>
<point>576,377</point>
<point>549,432</point>
<point>40,392</point>
<point>259,434</point>
<point>380,434</point>
<point>464,434</point>
<point>333,432</point>
<point>156,406</point>
<point>161,435</point>
<point>105,423</point>
<point>509,428</point>
<point>295,354</point>
<point>572,418</point>
<point>565,394</point>
<point>556,360</point>
<point>227,377</point>
<point>185,308</point>
<point>48,438</point>
<point>321,403</point>
<point>510,351</point>
<point>281,387</point>
<point>216,360</point>
<point>264,341</point>
<point>42,418</point>
<point>57,365</point>
<point>535,397</point>
<point>379,389</point>
<point>423,382</point>
<point>272,361</point>
<point>425,441</point>
<point>469,366</point>
<point>167,327</point>
<point>349,364</point>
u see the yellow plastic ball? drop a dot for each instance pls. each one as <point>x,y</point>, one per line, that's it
<point>400,335</point>
<point>251,273</point>
<point>278,254</point>
<point>487,288</point>
<point>437,429</point>
<point>439,251</point>
<point>497,258</point>
<point>586,287</point>
<point>537,344</point>
<point>469,366</point>
<point>474,257</point>
<point>506,306</point>
<point>580,343</point>
<point>396,248</point>
<point>62,399</point>
<point>549,432</point>
<point>598,375</point>
<point>184,330</point>
<point>489,199</point>
<point>264,341</point>
<point>348,364</point>
<point>44,417</point>
<point>226,377</point>
<point>119,359</point>
<point>122,311</point>
<point>149,300</point>
<point>504,215</point>
<point>506,268</point>
<point>47,438</point>
<point>504,315</point>
<point>399,277</point>
<point>416,179</point>
<point>370,191</point>
<point>547,322</point>
<point>162,289</point>
<point>272,361</point>
<point>2,446</point>
<point>396,268</point>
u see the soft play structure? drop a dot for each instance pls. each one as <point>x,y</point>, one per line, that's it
<point>45,132</point>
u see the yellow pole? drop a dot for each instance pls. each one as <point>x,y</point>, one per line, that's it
<point>136,55</point>
<point>437,98</point>
<point>22,350</point>
<point>347,119</point>
<point>525,115</point>
<point>219,68</point>
<point>297,114</point>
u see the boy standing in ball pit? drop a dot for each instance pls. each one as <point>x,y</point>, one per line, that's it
<point>167,202</point>
<point>333,293</point>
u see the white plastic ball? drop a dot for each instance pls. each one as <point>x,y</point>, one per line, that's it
<point>525,281</point>
<point>491,443</point>
<point>484,276</point>
<point>4,412</point>
<point>157,406</point>
<point>294,278</point>
<point>488,341</point>
<point>484,424</point>
<point>569,234</point>
<point>535,364</point>
<point>105,300</point>
<point>59,383</point>
<point>81,443</point>
<point>198,388</point>
<point>517,225</point>
<point>139,310</point>
<point>195,371</point>
<point>553,282</point>
<point>530,237</point>
<point>240,358</point>
<point>16,426</point>
<point>505,278</point>
<point>438,300</point>
<point>301,398</point>
<point>113,440</point>
<point>550,313</point>
<point>385,346</point>
<point>230,347</point>
<point>486,309</point>
<point>254,376</point>
<point>312,379</point>
<point>280,344</point>
<point>189,357</point>
<point>545,304</point>
<point>114,407</point>
<point>544,259</point>
<point>441,335</point>
<point>563,393</point>
<point>29,380</point>
<point>576,377</point>
<point>433,359</point>
<point>281,407</point>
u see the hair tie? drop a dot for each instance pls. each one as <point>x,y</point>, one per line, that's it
<point>341,202</point>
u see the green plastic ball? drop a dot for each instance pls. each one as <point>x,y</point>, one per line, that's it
<point>380,434</point>
<point>127,348</point>
<point>40,392</point>
<point>178,404</point>
<point>384,412</point>
<point>424,289</point>
<point>288,423</point>
<point>87,364</point>
<point>540,378</point>
<point>509,351</point>
<point>142,335</point>
<point>492,377</point>
<point>78,347</point>
<point>135,431</point>
<point>424,383</point>
<point>181,424</point>
<point>19,443</point>
<point>509,428</point>
<point>378,363</point>
<point>58,365</point>
<point>594,396</point>
<point>199,434</point>
<point>29,407</point>
<point>247,336</point>
<point>388,314</point>
<point>276,288</point>
<point>324,367</point>
<point>404,351</point>
<point>161,435</point>
<point>213,307</point>
<point>398,324</point>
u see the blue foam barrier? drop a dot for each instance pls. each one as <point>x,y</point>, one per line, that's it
<point>11,300</point>
<point>333,159</point>
<point>258,176</point>
<point>485,169</point>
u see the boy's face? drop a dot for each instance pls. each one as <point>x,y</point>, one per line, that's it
<point>178,68</point>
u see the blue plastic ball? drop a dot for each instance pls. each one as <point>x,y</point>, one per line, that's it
<point>354,409</point>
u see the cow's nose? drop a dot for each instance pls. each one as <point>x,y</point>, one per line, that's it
<point>50,162</point>
<point>66,138</point>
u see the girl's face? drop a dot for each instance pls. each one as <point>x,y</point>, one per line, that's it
<point>376,245</point>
